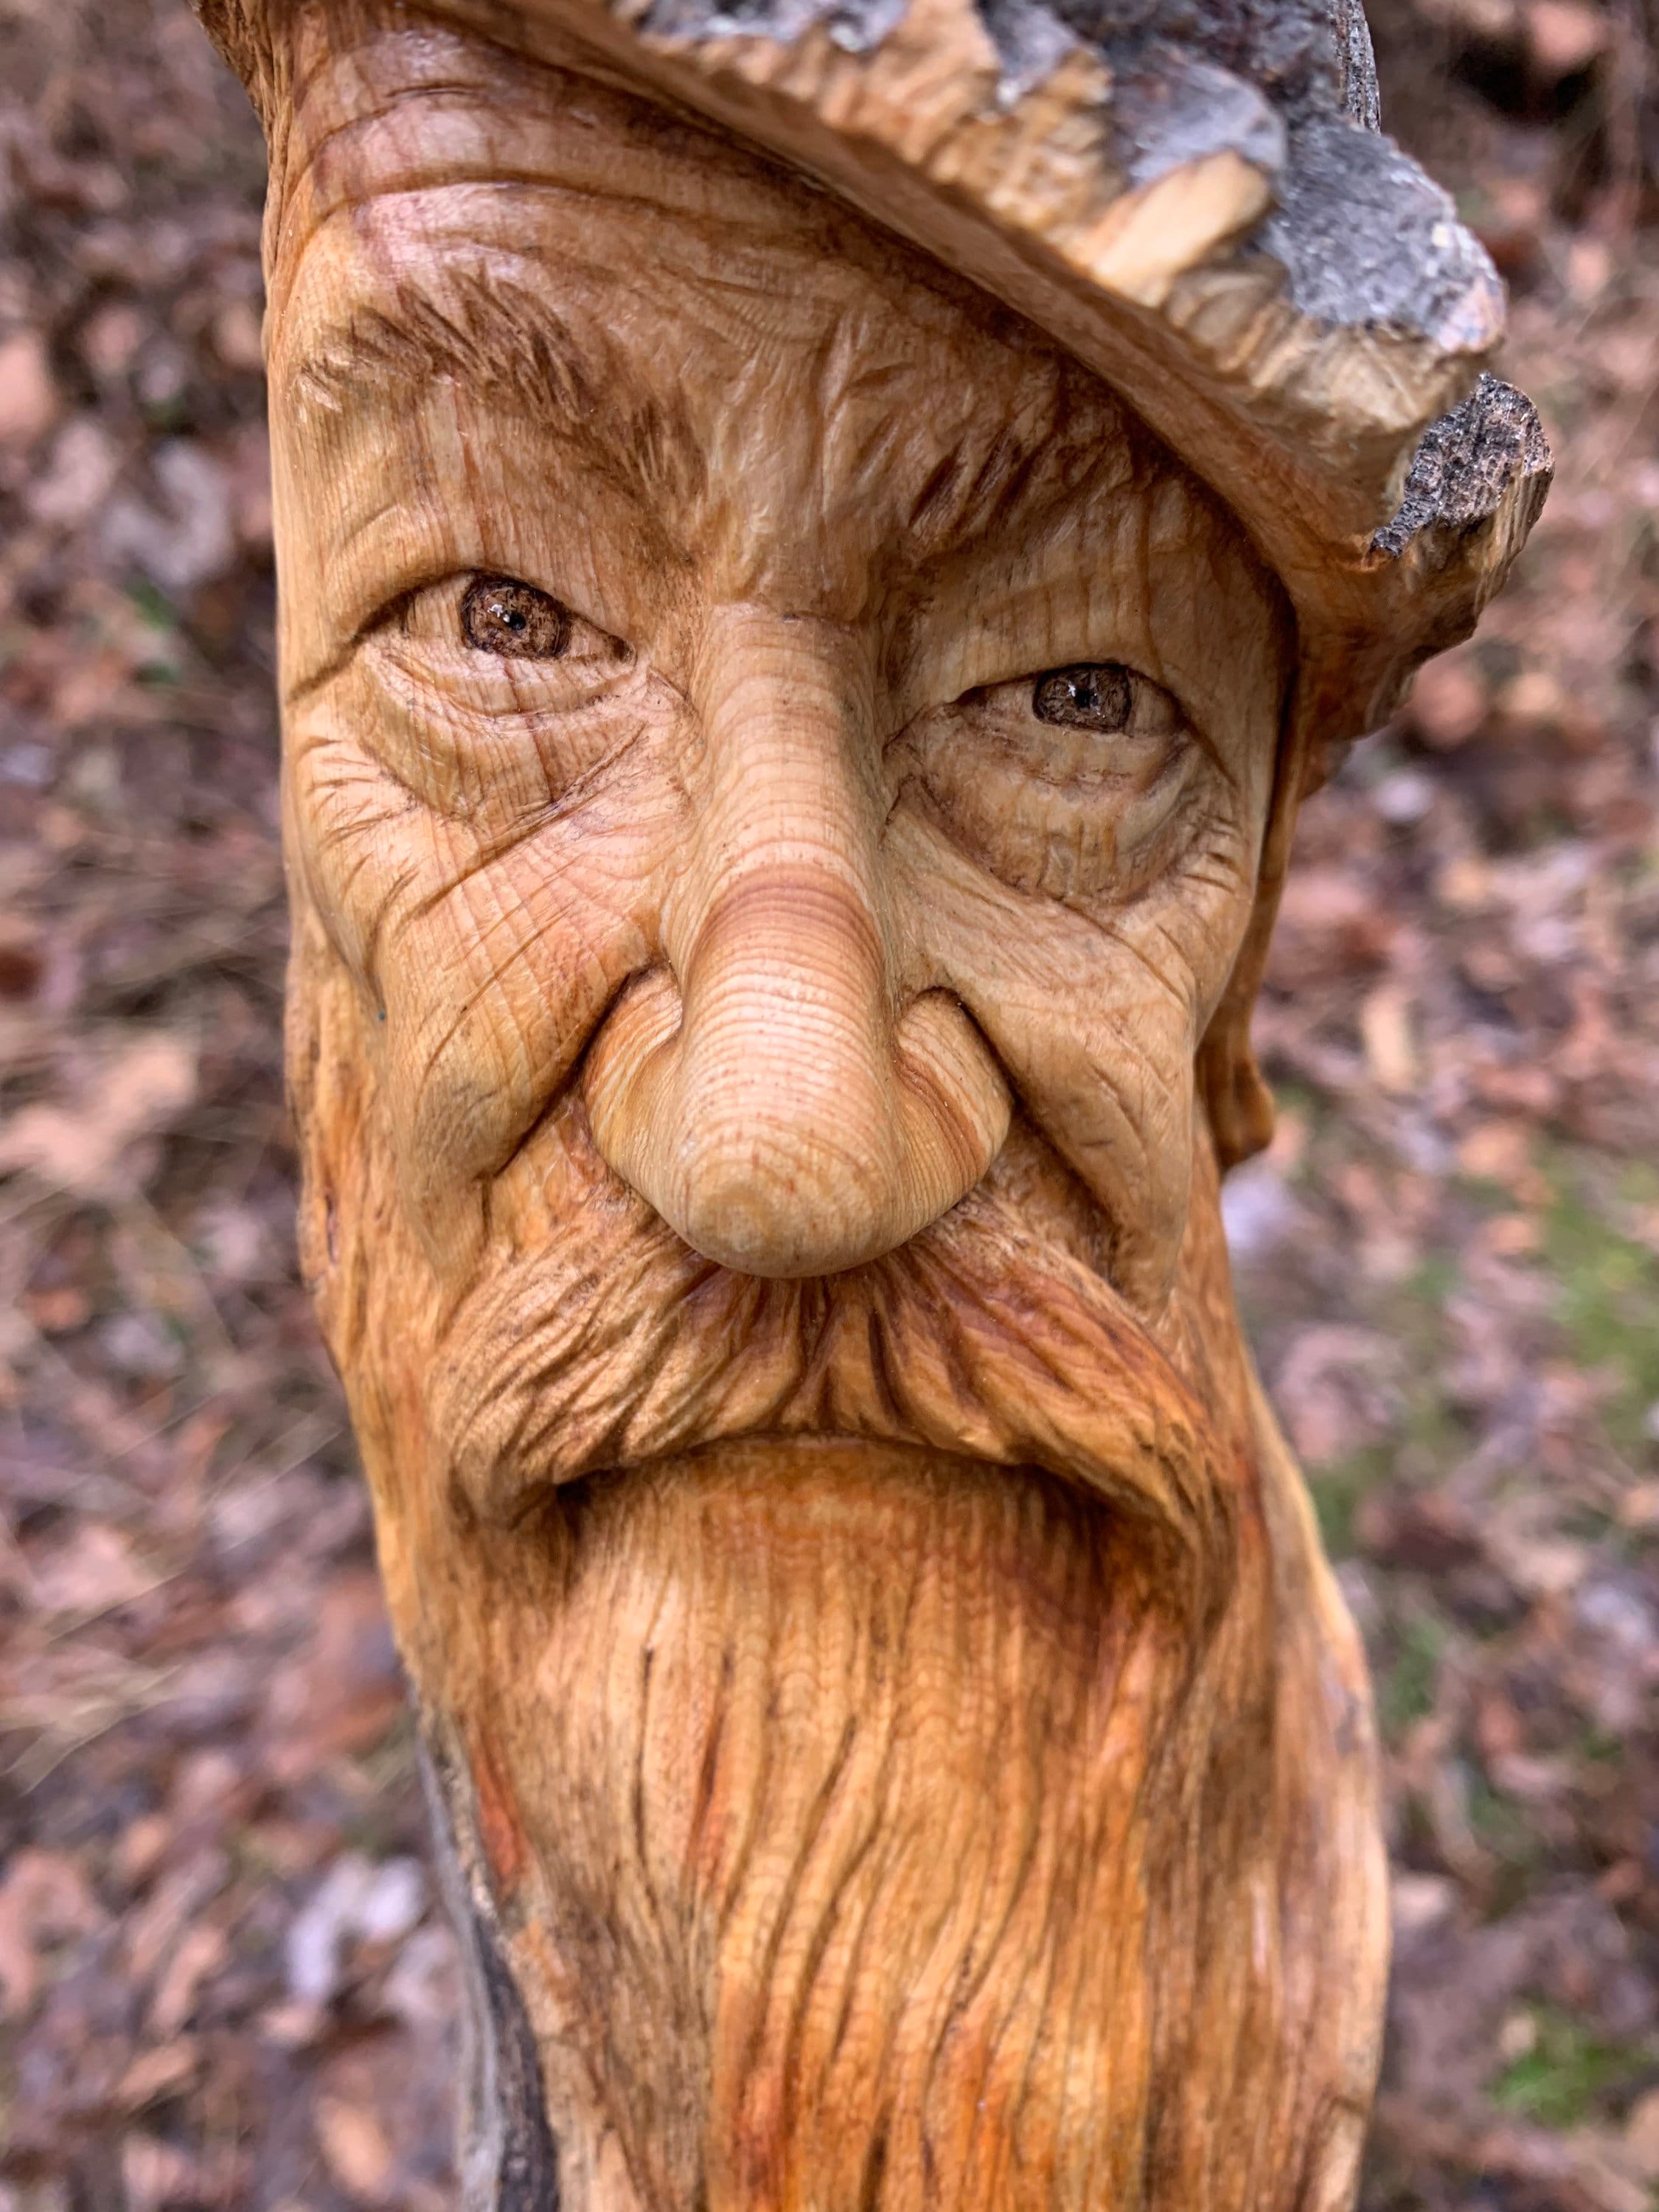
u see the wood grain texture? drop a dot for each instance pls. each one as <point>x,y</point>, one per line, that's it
<point>794,726</point>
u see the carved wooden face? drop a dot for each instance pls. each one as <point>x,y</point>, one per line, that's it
<point>741,679</point>
<point>777,761</point>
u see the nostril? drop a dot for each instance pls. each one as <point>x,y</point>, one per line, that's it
<point>642,1022</point>
<point>957,1105</point>
<point>625,1078</point>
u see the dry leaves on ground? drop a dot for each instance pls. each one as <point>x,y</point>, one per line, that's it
<point>223,1980</point>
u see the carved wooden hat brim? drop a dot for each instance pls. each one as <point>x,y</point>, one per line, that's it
<point>1194,197</point>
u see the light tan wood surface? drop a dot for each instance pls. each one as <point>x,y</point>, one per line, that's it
<point>813,586</point>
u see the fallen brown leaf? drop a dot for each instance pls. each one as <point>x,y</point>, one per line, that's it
<point>92,1147</point>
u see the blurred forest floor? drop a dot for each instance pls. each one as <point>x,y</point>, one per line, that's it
<point>224,1980</point>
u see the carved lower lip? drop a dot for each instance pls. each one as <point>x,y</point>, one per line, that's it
<point>777,1454</point>
<point>809,1447</point>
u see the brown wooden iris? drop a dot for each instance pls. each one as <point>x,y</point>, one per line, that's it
<point>1096,694</point>
<point>501,615</point>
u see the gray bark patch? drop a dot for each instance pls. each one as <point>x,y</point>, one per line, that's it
<point>507,2158</point>
<point>1465,465</point>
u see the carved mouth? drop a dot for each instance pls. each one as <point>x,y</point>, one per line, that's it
<point>781,1454</point>
<point>977,1342</point>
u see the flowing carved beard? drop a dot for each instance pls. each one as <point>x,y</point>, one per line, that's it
<point>874,1756</point>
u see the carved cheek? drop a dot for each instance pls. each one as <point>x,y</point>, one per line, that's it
<point>493,989</point>
<point>1110,1082</point>
<point>1095,1019</point>
<point>357,837</point>
<point>482,973</point>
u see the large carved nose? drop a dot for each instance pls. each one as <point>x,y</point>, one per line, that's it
<point>775,1103</point>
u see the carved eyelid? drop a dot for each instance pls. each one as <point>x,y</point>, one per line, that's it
<point>1184,724</point>
<point>452,589</point>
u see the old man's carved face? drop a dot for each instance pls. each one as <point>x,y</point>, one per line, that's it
<point>739,679</point>
<point>777,766</point>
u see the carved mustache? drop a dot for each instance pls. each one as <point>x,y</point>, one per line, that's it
<point>618,1344</point>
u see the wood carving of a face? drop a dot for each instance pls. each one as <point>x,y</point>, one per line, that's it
<point>777,763</point>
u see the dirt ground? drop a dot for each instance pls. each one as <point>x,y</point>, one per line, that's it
<point>224,1979</point>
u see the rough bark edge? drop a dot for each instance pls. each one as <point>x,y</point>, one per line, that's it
<point>1462,472</point>
<point>507,2158</point>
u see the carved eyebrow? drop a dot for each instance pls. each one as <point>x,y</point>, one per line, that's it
<point>511,346</point>
<point>984,486</point>
<point>1064,434</point>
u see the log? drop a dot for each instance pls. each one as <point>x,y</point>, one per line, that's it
<point>822,547</point>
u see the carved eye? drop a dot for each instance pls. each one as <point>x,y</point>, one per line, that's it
<point>501,616</point>
<point>1097,695</point>
<point>1075,781</point>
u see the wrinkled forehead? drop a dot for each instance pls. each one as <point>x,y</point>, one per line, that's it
<point>701,323</point>
<point>437,190</point>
